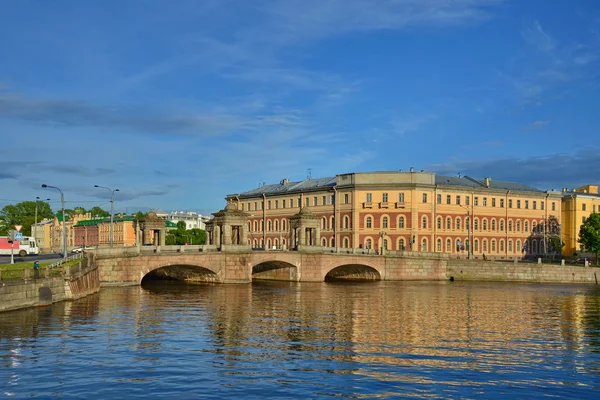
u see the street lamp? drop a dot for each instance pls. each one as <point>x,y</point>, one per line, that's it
<point>469,238</point>
<point>382,236</point>
<point>64,229</point>
<point>112,205</point>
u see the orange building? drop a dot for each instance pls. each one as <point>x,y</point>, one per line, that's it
<point>416,211</point>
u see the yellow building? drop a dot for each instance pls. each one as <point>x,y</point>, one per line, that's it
<point>396,211</point>
<point>123,231</point>
<point>577,205</point>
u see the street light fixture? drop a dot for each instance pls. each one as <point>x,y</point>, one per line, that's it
<point>112,205</point>
<point>64,229</point>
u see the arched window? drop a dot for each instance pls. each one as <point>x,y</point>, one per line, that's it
<point>369,222</point>
<point>401,222</point>
<point>534,246</point>
<point>526,226</point>
<point>324,242</point>
<point>323,223</point>
<point>401,244</point>
<point>255,244</point>
<point>346,222</point>
<point>501,245</point>
<point>346,243</point>
<point>476,245</point>
<point>276,225</point>
<point>457,245</point>
<point>542,247</point>
<point>384,222</point>
<point>518,226</point>
<point>385,244</point>
<point>276,243</point>
<point>476,223</point>
<point>484,224</point>
<point>448,223</point>
<point>424,244</point>
<point>269,225</point>
<point>493,245</point>
<point>510,225</point>
<point>484,245</point>
<point>262,226</point>
<point>518,248</point>
<point>424,222</point>
<point>493,224</point>
<point>331,222</point>
<point>457,222</point>
<point>510,249</point>
<point>448,246</point>
<point>534,227</point>
<point>249,226</point>
<point>439,223</point>
<point>501,225</point>
<point>282,242</point>
<point>332,242</point>
<point>283,224</point>
<point>368,243</point>
<point>439,245</point>
<point>268,243</point>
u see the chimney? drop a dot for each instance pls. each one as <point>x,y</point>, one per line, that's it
<point>284,181</point>
<point>412,169</point>
<point>486,181</point>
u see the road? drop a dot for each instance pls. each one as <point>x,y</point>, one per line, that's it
<point>31,258</point>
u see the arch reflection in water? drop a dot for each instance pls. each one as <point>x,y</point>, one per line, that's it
<point>186,273</point>
<point>355,272</point>
<point>275,271</point>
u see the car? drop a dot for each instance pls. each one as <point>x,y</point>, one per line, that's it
<point>80,249</point>
<point>581,261</point>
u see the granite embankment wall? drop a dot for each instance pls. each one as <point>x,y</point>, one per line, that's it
<point>477,270</point>
<point>77,281</point>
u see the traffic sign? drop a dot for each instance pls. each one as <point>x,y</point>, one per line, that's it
<point>18,227</point>
<point>18,236</point>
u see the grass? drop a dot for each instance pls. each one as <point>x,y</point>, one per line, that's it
<point>15,271</point>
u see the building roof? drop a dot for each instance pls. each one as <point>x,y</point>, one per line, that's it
<point>93,222</point>
<point>442,180</point>
<point>468,182</point>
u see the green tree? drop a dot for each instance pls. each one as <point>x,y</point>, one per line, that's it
<point>23,213</point>
<point>139,215</point>
<point>589,234</point>
<point>98,212</point>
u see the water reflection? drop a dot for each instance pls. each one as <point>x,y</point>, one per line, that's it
<point>373,339</point>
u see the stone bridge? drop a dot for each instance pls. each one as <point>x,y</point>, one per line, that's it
<point>129,266</point>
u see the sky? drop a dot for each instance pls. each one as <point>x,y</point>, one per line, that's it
<point>179,103</point>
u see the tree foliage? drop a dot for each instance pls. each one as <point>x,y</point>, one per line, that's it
<point>181,236</point>
<point>97,212</point>
<point>589,234</point>
<point>23,213</point>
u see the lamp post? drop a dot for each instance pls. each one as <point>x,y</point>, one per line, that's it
<point>382,236</point>
<point>469,238</point>
<point>64,218</point>
<point>112,205</point>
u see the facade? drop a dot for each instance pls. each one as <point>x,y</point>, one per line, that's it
<point>396,211</point>
<point>96,232</point>
<point>192,220</point>
<point>41,231</point>
<point>577,205</point>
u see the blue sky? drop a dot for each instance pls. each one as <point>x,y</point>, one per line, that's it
<point>179,103</point>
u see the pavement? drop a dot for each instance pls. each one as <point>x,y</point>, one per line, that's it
<point>30,258</point>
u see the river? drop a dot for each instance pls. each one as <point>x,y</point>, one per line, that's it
<point>308,340</point>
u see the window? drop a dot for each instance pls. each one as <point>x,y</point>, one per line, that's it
<point>553,206</point>
<point>439,223</point>
<point>476,245</point>
<point>269,205</point>
<point>401,222</point>
<point>323,223</point>
<point>501,245</point>
<point>518,203</point>
<point>510,203</point>
<point>243,206</point>
<point>315,201</point>
<point>401,197</point>
<point>346,222</point>
<point>510,246</point>
<point>283,203</point>
<point>439,245</point>
<point>541,205</point>
<point>457,223</point>
<point>535,205</point>
<point>583,220</point>
<point>255,206</point>
<point>510,226</point>
<point>467,200</point>
<point>346,243</point>
<point>476,227</point>
<point>438,199</point>
<point>385,244</point>
<point>269,225</point>
<point>584,207</point>
<point>518,246</point>
<point>346,198</point>
<point>484,245</point>
<point>276,225</point>
<point>283,224</point>
<point>424,245</point>
<point>369,197</point>
<point>527,204</point>
<point>324,200</point>
<point>493,224</point>
<point>384,198</point>
<point>458,200</point>
<point>526,226</point>
<point>485,201</point>
<point>424,222</point>
<point>518,226</point>
<point>401,244</point>
<point>501,203</point>
<point>448,199</point>
<point>476,201</point>
<point>493,246</point>
<point>484,225</point>
<point>369,222</point>
<point>307,202</point>
<point>448,246</point>
<point>384,222</point>
<point>424,197</point>
<point>493,202</point>
<point>368,244</point>
<point>448,223</point>
<point>324,242</point>
<point>501,225</point>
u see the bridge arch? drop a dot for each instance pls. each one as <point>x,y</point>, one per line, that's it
<point>274,270</point>
<point>354,272</point>
<point>185,272</point>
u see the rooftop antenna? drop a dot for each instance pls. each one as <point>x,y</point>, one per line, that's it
<point>309,171</point>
